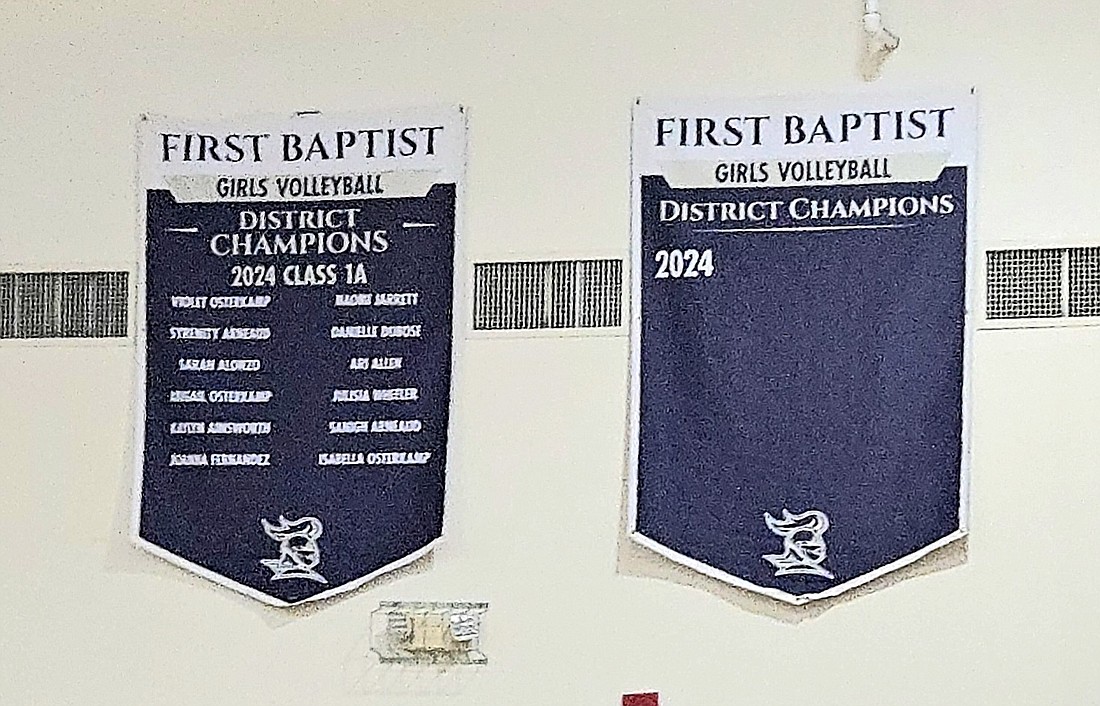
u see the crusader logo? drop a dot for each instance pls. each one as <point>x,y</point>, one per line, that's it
<point>803,543</point>
<point>299,553</point>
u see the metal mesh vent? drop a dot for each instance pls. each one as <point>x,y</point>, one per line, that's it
<point>553,294</point>
<point>1024,284</point>
<point>63,304</point>
<point>1084,282</point>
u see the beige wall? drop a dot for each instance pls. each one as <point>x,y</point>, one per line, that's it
<point>535,490</point>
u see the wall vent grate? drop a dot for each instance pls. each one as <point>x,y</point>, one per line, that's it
<point>1025,284</point>
<point>63,304</point>
<point>552,294</point>
<point>1084,281</point>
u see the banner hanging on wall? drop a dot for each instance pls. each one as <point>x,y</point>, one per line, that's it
<point>294,345</point>
<point>800,343</point>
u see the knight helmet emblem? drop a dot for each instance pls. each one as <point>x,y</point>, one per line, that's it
<point>299,553</point>
<point>804,550</point>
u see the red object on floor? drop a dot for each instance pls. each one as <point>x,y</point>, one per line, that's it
<point>640,700</point>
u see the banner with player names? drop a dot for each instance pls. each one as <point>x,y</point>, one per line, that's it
<point>296,290</point>
<point>800,344</point>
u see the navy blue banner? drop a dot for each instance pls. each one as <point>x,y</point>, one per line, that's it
<point>801,386</point>
<point>297,387</point>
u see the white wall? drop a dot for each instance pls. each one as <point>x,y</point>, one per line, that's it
<point>536,489</point>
